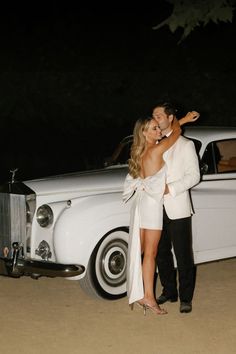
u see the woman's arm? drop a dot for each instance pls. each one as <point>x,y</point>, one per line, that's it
<point>166,143</point>
<point>189,118</point>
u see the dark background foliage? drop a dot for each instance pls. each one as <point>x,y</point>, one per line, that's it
<point>74,80</point>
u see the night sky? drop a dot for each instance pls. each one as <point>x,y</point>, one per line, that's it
<point>75,78</point>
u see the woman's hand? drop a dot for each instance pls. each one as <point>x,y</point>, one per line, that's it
<point>190,117</point>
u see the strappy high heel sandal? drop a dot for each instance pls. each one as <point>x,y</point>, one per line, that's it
<point>138,303</point>
<point>155,309</point>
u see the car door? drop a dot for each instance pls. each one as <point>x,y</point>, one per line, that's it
<point>214,201</point>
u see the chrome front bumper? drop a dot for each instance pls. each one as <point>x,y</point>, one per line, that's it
<point>18,266</point>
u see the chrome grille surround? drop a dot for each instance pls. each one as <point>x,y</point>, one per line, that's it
<point>17,206</point>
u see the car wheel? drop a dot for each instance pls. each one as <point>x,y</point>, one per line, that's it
<point>106,272</point>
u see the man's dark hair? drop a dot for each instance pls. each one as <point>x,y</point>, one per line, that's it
<point>169,108</point>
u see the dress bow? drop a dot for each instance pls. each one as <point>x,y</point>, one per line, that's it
<point>151,185</point>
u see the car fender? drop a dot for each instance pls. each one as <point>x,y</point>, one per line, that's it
<point>79,229</point>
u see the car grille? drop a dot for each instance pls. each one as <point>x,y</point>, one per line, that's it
<point>16,212</point>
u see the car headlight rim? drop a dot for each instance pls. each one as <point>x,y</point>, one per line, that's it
<point>44,215</point>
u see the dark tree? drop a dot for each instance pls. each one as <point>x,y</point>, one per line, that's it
<point>189,14</point>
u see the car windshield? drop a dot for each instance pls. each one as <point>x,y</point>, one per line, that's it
<point>121,154</point>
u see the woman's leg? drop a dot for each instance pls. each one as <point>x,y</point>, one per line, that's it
<point>149,246</point>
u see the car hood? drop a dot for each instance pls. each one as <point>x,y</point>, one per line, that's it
<point>81,183</point>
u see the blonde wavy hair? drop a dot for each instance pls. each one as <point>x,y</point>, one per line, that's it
<point>137,148</point>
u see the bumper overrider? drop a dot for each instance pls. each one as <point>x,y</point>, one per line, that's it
<point>17,266</point>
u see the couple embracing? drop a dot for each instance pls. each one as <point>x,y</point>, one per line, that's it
<point>163,166</point>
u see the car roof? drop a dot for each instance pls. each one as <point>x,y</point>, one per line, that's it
<point>202,133</point>
<point>213,132</point>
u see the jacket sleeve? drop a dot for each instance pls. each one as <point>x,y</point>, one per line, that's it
<point>191,175</point>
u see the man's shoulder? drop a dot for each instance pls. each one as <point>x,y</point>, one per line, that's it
<point>183,140</point>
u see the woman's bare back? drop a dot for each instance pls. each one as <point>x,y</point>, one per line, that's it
<point>151,161</point>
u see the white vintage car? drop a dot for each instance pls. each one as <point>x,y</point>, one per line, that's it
<point>76,225</point>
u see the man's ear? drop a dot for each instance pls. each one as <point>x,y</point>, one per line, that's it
<point>171,117</point>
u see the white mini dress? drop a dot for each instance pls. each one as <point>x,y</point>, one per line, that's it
<point>146,195</point>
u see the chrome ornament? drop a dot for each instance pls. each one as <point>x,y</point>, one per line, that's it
<point>13,171</point>
<point>43,250</point>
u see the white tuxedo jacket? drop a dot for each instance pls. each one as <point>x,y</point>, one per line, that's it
<point>182,174</point>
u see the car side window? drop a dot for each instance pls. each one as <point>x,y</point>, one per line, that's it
<point>227,162</point>
<point>220,157</point>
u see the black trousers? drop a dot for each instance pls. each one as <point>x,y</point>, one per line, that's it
<point>176,233</point>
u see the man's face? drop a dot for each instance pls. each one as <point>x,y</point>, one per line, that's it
<point>163,120</point>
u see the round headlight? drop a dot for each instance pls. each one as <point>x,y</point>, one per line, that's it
<point>44,215</point>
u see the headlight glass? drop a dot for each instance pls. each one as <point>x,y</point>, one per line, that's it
<point>44,215</point>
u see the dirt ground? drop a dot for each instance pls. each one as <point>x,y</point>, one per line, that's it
<point>48,316</point>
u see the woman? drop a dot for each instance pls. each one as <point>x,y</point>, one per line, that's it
<point>145,183</point>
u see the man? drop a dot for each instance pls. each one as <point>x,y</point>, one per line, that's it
<point>182,174</point>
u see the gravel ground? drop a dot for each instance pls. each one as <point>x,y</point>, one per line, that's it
<point>48,316</point>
